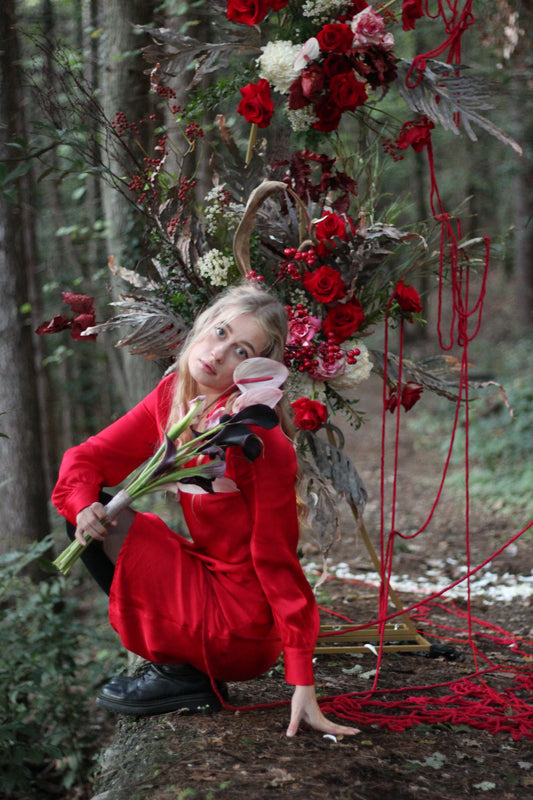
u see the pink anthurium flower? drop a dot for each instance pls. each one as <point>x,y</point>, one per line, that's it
<point>258,380</point>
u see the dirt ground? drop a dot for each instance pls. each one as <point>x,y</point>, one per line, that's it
<point>245,753</point>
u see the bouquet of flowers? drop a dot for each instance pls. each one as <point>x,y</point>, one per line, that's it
<point>201,461</point>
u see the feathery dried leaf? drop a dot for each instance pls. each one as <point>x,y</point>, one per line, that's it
<point>157,331</point>
<point>446,95</point>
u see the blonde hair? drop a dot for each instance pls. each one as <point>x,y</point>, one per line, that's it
<point>267,311</point>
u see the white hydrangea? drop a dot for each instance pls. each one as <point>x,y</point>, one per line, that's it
<point>301,119</point>
<point>354,373</point>
<point>276,64</point>
<point>321,11</point>
<point>216,267</point>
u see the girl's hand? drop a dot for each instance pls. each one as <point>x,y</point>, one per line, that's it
<point>305,707</point>
<point>92,520</point>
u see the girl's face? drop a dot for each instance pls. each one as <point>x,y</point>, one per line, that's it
<point>213,357</point>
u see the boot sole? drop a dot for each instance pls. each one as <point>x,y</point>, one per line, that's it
<point>189,704</point>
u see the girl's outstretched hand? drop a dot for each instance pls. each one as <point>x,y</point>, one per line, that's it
<point>305,707</point>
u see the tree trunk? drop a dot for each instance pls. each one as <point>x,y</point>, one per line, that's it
<point>126,89</point>
<point>523,201</point>
<point>24,499</point>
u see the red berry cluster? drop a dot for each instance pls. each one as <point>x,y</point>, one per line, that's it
<point>186,185</point>
<point>165,91</point>
<point>193,131</point>
<point>136,184</point>
<point>390,148</point>
<point>172,225</point>
<point>154,164</point>
<point>253,276</point>
<point>351,356</point>
<point>122,126</point>
<point>291,266</point>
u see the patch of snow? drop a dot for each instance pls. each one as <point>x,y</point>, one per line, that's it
<point>485,585</point>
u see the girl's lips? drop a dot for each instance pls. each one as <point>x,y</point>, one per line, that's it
<point>207,367</point>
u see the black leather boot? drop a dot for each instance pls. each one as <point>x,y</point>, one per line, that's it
<point>161,688</point>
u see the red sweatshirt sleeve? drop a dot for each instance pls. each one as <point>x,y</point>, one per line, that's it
<point>270,494</point>
<point>110,456</point>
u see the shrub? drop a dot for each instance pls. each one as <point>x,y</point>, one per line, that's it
<point>44,686</point>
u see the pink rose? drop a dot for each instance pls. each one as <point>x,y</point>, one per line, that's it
<point>369,28</point>
<point>302,329</point>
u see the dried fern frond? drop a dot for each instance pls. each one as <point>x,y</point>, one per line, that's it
<point>175,51</point>
<point>447,96</point>
<point>157,332</point>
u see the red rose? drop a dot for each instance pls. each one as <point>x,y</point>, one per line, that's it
<point>343,320</point>
<point>347,92</point>
<point>336,64</point>
<point>411,11</point>
<point>330,225</point>
<point>325,284</point>
<point>309,415</point>
<point>415,134</point>
<point>329,115</point>
<point>249,12</point>
<point>335,38</point>
<point>277,5</point>
<point>256,104</point>
<point>407,298</point>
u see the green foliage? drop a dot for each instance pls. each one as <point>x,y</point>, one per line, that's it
<point>499,440</point>
<point>44,735</point>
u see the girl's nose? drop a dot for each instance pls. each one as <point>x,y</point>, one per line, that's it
<point>218,352</point>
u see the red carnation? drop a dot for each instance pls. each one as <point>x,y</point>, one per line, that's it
<point>309,415</point>
<point>407,298</point>
<point>249,12</point>
<point>343,320</point>
<point>325,284</point>
<point>256,104</point>
<point>328,115</point>
<point>411,11</point>
<point>347,92</point>
<point>335,38</point>
<point>415,134</point>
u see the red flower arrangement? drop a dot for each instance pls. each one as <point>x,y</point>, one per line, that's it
<point>339,65</point>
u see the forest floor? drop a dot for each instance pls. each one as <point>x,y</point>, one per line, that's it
<point>244,753</point>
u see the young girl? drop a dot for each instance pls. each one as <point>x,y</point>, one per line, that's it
<point>224,606</point>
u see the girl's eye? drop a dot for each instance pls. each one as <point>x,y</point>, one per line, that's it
<point>241,352</point>
<point>220,332</point>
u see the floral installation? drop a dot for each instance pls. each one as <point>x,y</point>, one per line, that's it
<point>338,266</point>
<point>199,464</point>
